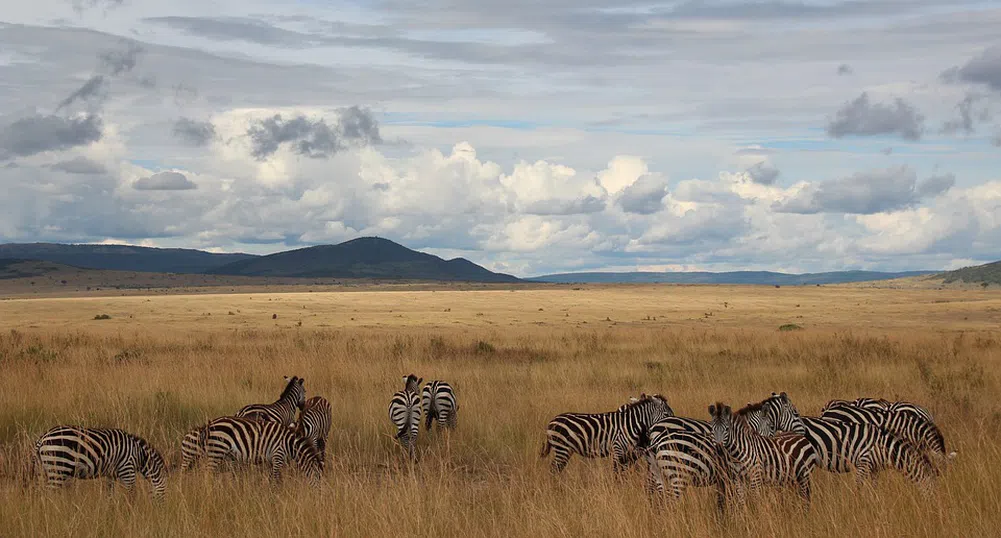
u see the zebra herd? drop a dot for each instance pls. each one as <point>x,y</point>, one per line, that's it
<point>762,443</point>
<point>291,431</point>
<point>767,442</point>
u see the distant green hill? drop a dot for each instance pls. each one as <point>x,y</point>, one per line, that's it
<point>365,257</point>
<point>989,273</point>
<point>734,277</point>
<point>121,257</point>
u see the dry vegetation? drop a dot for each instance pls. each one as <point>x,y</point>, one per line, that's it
<point>160,365</point>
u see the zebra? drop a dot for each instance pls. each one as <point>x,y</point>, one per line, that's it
<point>283,410</point>
<point>192,447</point>
<point>405,413</point>
<point>618,433</point>
<point>866,448</point>
<point>885,405</point>
<point>66,452</point>
<point>788,458</point>
<point>685,458</point>
<point>248,441</point>
<point>438,402</point>
<point>910,427</point>
<point>775,413</point>
<point>314,423</point>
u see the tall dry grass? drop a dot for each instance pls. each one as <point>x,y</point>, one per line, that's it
<point>485,479</point>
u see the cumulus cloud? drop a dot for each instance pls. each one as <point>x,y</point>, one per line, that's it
<point>966,122</point>
<point>645,195</point>
<point>121,61</point>
<point>984,69</point>
<point>80,165</point>
<point>194,132</point>
<point>39,133</point>
<point>114,63</point>
<point>860,117</point>
<point>164,181</point>
<point>313,138</point>
<point>865,193</point>
<point>763,172</point>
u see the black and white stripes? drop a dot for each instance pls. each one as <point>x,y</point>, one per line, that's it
<point>405,413</point>
<point>284,409</point>
<point>598,435</point>
<point>438,403</point>
<point>66,452</point>
<point>249,441</point>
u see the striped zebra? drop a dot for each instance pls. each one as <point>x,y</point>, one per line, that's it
<point>910,427</point>
<point>314,423</point>
<point>438,402</point>
<point>256,442</point>
<point>683,459</point>
<point>283,410</point>
<point>66,452</point>
<point>884,405</point>
<point>192,447</point>
<point>775,413</point>
<point>866,448</point>
<point>618,433</point>
<point>784,459</point>
<point>405,413</point>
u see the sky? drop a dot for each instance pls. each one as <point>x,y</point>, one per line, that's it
<point>528,137</point>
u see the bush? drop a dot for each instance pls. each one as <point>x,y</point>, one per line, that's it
<point>790,327</point>
<point>102,316</point>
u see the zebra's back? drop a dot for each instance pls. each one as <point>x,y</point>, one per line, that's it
<point>405,413</point>
<point>253,442</point>
<point>315,422</point>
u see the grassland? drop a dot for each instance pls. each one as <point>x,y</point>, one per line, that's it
<point>162,364</point>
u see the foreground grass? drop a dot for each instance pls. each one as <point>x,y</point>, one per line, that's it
<point>485,479</point>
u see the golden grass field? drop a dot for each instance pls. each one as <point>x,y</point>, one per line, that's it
<point>163,364</point>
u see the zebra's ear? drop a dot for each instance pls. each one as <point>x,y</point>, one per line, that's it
<point>420,380</point>
<point>712,409</point>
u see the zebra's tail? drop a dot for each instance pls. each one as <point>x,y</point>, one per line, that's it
<point>546,447</point>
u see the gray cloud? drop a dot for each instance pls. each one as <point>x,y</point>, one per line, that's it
<point>164,181</point>
<point>866,193</point>
<point>95,88</point>
<point>997,139</point>
<point>984,69</point>
<point>313,138</point>
<point>763,172</point>
<point>965,122</point>
<point>80,165</point>
<point>935,185</point>
<point>38,133</point>
<point>239,29</point>
<point>845,69</point>
<point>194,132</point>
<point>862,118</point>
<point>580,206</point>
<point>645,195</point>
<point>122,61</point>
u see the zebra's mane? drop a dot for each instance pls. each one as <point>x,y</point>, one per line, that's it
<point>637,402</point>
<point>751,408</point>
<point>287,392</point>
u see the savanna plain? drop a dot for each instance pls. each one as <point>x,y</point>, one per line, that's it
<point>159,365</point>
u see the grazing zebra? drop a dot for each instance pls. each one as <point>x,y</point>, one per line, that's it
<point>283,410</point>
<point>66,452</point>
<point>248,441</point>
<point>843,446</point>
<point>314,423</point>
<point>784,459</point>
<point>910,427</point>
<point>885,405</point>
<point>684,459</point>
<point>405,413</point>
<point>438,402</point>
<point>618,433</point>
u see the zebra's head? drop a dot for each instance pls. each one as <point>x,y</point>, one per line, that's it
<point>412,383</point>
<point>309,458</point>
<point>295,391</point>
<point>652,408</point>
<point>783,415</point>
<point>722,423</point>
<point>152,466</point>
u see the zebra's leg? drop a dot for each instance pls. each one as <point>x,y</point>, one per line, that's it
<point>561,456</point>
<point>127,475</point>
<point>803,483</point>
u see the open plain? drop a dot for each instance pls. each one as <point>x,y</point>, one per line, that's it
<point>157,365</point>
